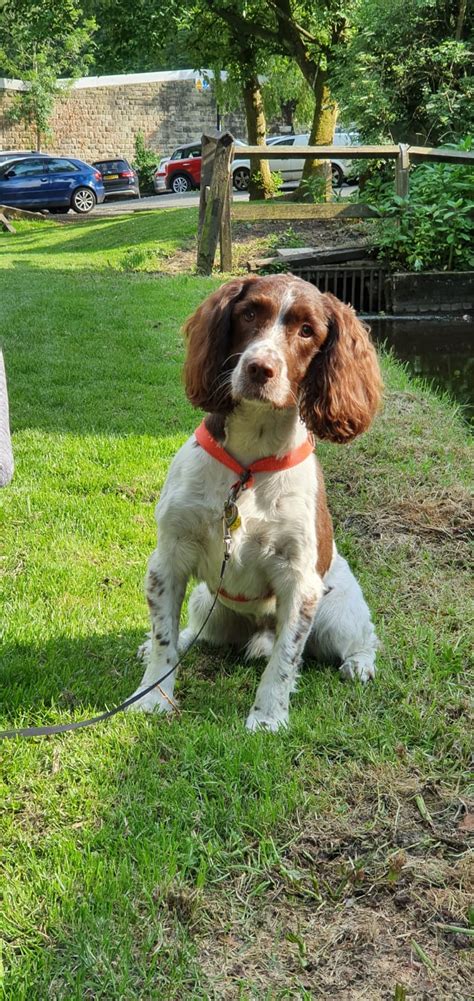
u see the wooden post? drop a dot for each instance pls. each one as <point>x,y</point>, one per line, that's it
<point>5,224</point>
<point>225,232</point>
<point>402,170</point>
<point>213,207</point>
<point>208,152</point>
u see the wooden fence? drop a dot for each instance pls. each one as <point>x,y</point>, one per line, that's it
<point>216,185</point>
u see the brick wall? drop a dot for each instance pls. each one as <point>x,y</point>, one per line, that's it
<point>101,116</point>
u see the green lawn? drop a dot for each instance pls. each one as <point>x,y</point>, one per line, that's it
<point>171,859</point>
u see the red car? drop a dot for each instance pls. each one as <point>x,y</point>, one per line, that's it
<point>182,172</point>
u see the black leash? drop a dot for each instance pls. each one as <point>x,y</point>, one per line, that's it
<point>46,731</point>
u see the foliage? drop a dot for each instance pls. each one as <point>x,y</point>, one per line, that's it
<point>271,188</point>
<point>287,95</point>
<point>33,107</point>
<point>434,227</point>
<point>137,37</point>
<point>145,163</point>
<point>406,72</point>
<point>54,30</point>
<point>288,238</point>
<point>312,189</point>
<point>39,43</point>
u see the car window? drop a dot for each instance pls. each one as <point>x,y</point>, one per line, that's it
<point>60,166</point>
<point>284,142</point>
<point>194,151</point>
<point>27,168</point>
<point>111,166</point>
<point>177,155</point>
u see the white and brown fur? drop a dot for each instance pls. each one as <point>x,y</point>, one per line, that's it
<point>270,358</point>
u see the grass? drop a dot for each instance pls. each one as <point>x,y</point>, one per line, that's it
<point>186,858</point>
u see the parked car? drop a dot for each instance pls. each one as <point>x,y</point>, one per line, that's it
<point>182,170</point>
<point>118,176</point>
<point>50,182</point>
<point>292,169</point>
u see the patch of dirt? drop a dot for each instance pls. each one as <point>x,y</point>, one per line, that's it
<point>261,238</point>
<point>360,902</point>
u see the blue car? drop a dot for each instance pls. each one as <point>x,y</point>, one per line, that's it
<point>56,183</point>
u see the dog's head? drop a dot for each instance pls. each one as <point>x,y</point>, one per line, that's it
<point>278,340</point>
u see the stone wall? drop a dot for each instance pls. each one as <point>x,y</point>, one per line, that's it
<point>100,116</point>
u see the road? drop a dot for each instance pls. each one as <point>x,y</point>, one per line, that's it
<point>164,201</point>
<point>168,201</point>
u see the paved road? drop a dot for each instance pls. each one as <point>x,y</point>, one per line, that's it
<point>164,201</point>
<point>119,206</point>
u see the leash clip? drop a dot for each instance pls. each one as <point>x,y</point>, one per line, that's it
<point>227,542</point>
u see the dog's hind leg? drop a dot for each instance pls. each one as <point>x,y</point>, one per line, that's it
<point>342,631</point>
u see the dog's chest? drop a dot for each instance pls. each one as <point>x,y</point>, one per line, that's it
<point>267,538</point>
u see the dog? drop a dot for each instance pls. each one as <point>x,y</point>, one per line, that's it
<point>276,364</point>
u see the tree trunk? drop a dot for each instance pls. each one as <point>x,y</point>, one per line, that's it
<point>322,134</point>
<point>261,186</point>
<point>460,19</point>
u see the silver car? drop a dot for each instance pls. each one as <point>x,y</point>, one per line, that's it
<point>292,169</point>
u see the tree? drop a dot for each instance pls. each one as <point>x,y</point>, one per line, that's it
<point>406,72</point>
<point>39,42</point>
<point>201,35</point>
<point>241,37</point>
<point>307,31</point>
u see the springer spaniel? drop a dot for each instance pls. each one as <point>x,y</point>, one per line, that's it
<point>274,362</point>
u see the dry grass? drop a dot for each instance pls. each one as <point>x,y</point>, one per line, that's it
<point>362,894</point>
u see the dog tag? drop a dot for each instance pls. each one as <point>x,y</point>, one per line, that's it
<point>231,515</point>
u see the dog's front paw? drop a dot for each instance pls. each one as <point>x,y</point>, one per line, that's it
<point>154,701</point>
<point>259,719</point>
<point>358,666</point>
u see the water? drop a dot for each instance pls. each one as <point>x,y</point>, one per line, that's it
<point>441,351</point>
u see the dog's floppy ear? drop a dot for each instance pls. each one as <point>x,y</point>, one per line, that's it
<point>209,334</point>
<point>342,388</point>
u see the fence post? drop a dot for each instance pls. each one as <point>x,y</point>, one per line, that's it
<point>208,152</point>
<point>212,207</point>
<point>225,232</point>
<point>402,170</point>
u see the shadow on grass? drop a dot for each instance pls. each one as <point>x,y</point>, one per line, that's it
<point>111,232</point>
<point>121,823</point>
<point>73,676</point>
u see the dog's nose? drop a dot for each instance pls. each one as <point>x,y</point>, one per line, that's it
<point>261,371</point>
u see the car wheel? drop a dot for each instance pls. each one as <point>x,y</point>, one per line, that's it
<point>337,176</point>
<point>180,184</point>
<point>241,178</point>
<point>83,200</point>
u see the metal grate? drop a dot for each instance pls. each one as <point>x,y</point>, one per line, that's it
<point>361,287</point>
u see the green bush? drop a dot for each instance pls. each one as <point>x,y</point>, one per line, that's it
<point>433,228</point>
<point>276,181</point>
<point>312,189</point>
<point>145,163</point>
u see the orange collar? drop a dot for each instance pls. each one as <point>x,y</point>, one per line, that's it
<point>270,464</point>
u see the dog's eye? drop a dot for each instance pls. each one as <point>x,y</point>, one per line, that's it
<point>306,330</point>
<point>249,315</point>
